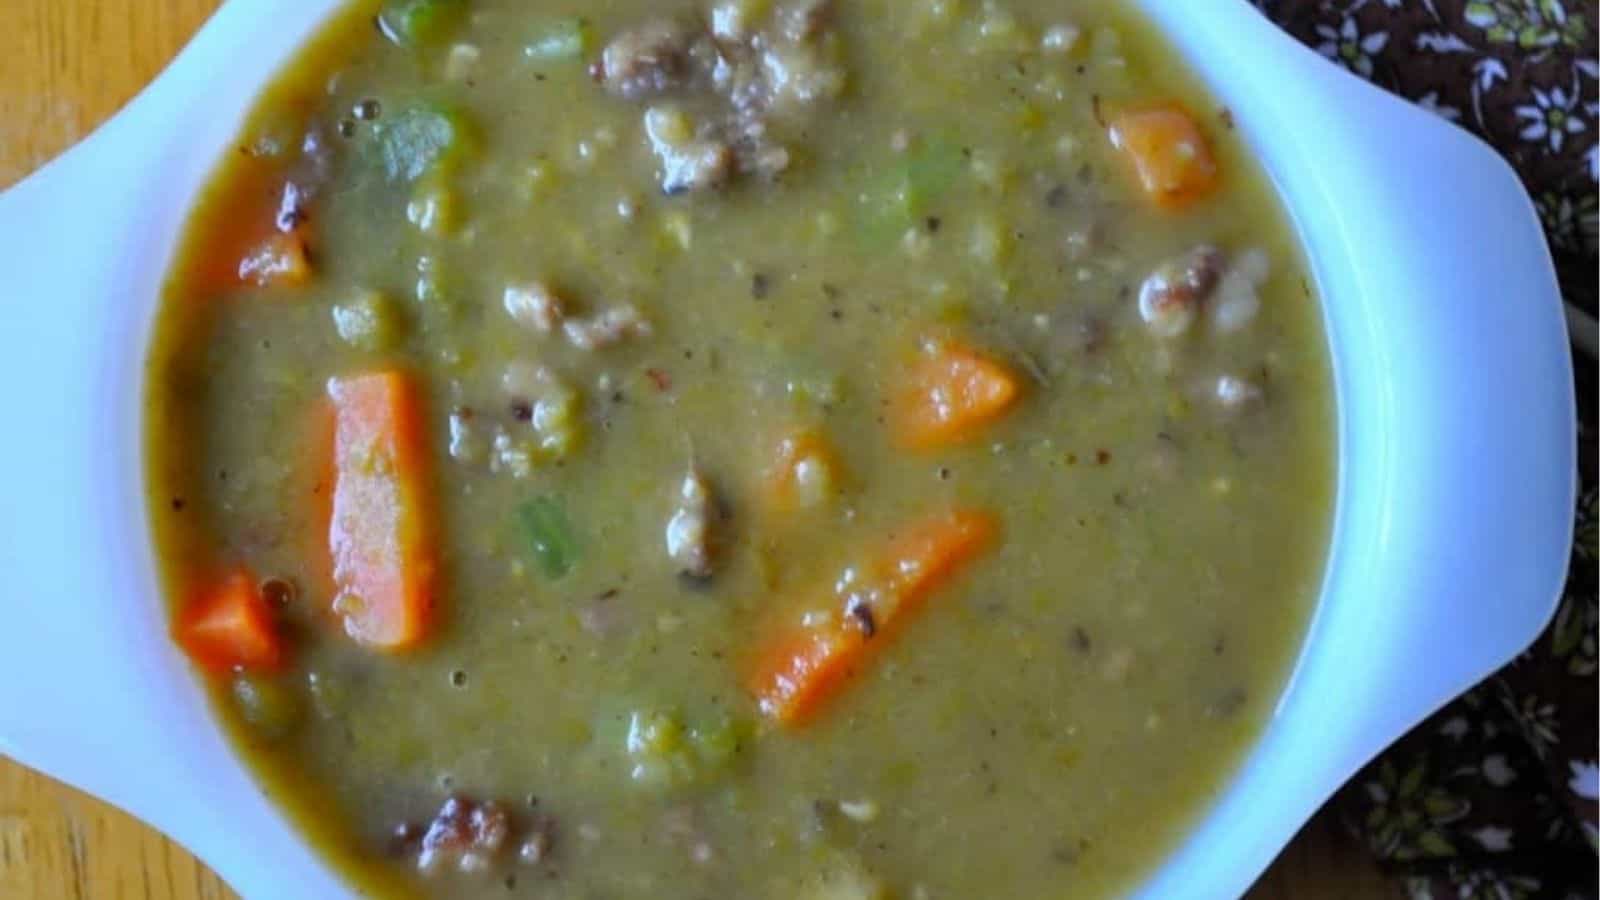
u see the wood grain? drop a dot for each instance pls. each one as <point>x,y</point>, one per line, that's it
<point>66,65</point>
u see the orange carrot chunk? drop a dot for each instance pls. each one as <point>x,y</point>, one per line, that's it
<point>809,664</point>
<point>1170,155</point>
<point>951,394</point>
<point>229,626</point>
<point>926,556</point>
<point>379,531</point>
<point>278,260</point>
<point>797,675</point>
<point>805,472</point>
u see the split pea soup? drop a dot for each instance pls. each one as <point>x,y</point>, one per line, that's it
<point>816,449</point>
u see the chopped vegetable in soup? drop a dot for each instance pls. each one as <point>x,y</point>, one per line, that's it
<point>740,448</point>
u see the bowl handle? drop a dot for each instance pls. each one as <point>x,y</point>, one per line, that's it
<point>1457,422</point>
<point>1475,350</point>
<point>70,519</point>
<point>1458,431</point>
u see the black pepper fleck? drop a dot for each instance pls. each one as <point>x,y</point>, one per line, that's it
<point>862,613</point>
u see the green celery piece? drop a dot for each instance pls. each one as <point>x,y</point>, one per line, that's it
<point>544,523</point>
<point>933,168</point>
<point>894,199</point>
<point>558,40</point>
<point>420,23</point>
<point>422,139</point>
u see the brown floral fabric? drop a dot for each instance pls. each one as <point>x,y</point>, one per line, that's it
<point>1494,797</point>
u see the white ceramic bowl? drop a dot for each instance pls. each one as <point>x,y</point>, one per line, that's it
<point>1456,439</point>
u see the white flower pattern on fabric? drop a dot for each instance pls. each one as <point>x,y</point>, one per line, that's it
<point>1537,719</point>
<point>1497,771</point>
<point>1551,117</point>
<point>1493,838</point>
<point>1585,780</point>
<point>1430,102</point>
<point>1348,47</point>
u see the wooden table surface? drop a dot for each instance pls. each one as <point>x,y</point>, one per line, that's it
<point>65,65</point>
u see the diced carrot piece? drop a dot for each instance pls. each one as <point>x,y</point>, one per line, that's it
<point>279,260</point>
<point>252,235</point>
<point>931,552</point>
<point>380,535</point>
<point>806,468</point>
<point>229,626</point>
<point>950,394</point>
<point>1170,155</point>
<point>810,664</point>
<point>798,674</point>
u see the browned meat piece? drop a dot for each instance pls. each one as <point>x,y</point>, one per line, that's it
<point>804,20</point>
<point>689,538</point>
<point>695,166</point>
<point>765,160</point>
<point>1169,300</point>
<point>464,835</point>
<point>606,328</point>
<point>756,153</point>
<point>735,79</point>
<point>535,305</point>
<point>653,59</point>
